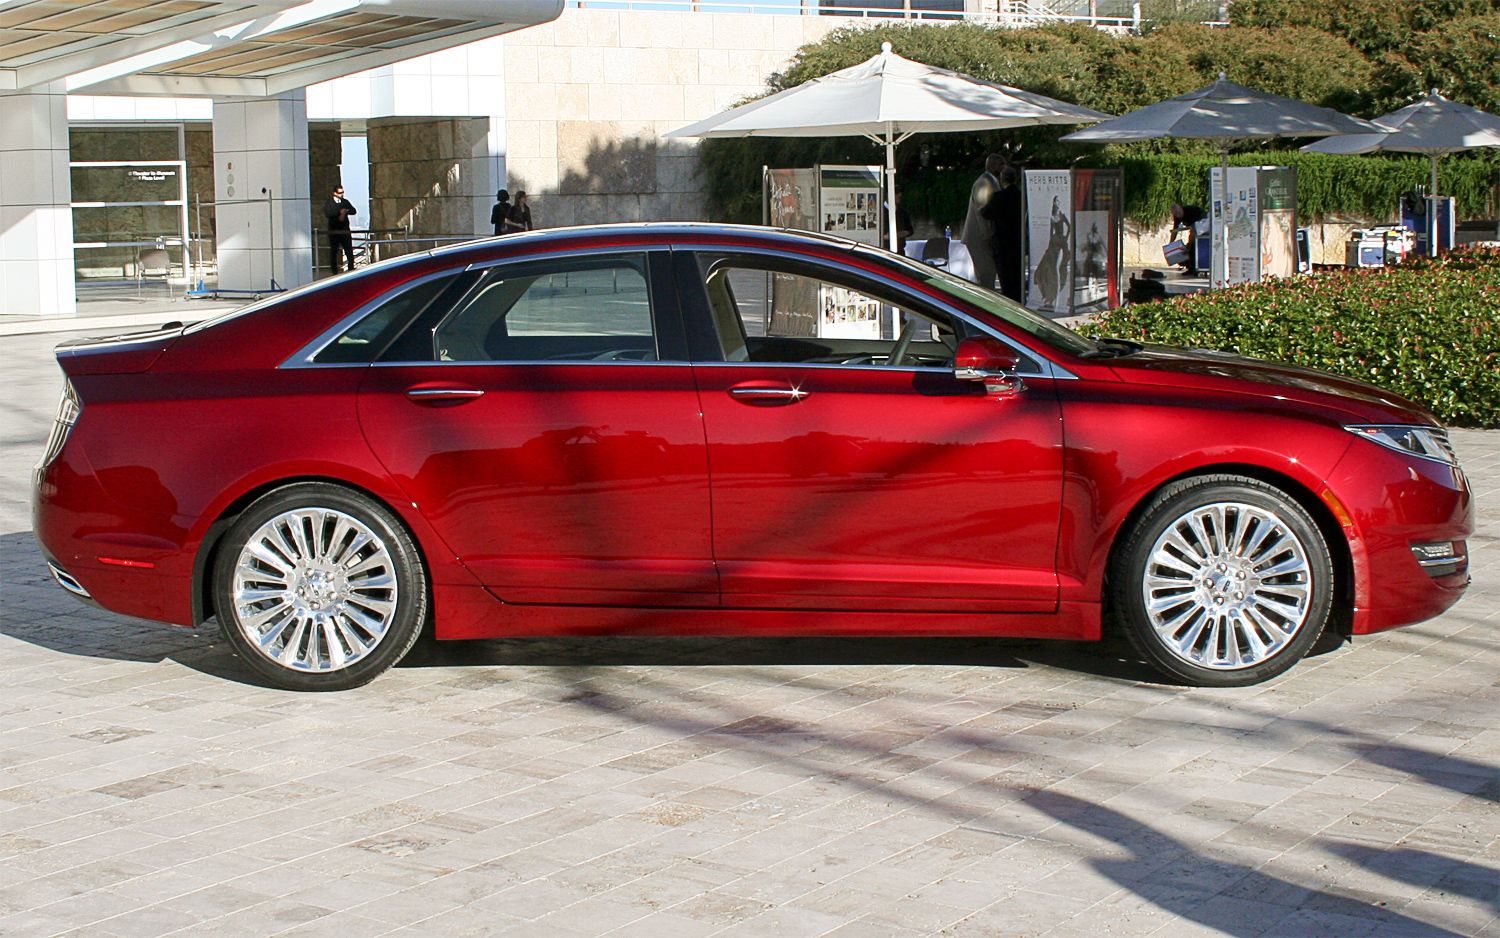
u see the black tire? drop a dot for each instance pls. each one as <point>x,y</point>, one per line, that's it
<point>330,632</point>
<point>1226,643</point>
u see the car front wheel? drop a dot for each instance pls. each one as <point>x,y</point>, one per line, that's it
<point>319,588</point>
<point>1224,581</point>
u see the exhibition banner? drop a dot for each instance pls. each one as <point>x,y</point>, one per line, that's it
<point>1049,234</point>
<point>849,202</point>
<point>1097,198</point>
<point>1261,215</point>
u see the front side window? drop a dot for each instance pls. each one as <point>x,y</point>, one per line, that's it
<point>775,311</point>
<point>576,310</point>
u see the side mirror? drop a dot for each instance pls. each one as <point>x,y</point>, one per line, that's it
<point>981,358</point>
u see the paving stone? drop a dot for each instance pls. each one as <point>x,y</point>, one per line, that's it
<point>876,788</point>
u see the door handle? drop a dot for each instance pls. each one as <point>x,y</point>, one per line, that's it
<point>767,397</point>
<point>442,395</point>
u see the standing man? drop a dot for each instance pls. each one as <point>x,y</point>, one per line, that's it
<point>337,210</point>
<point>979,231</point>
<point>1008,213</point>
<point>500,212</point>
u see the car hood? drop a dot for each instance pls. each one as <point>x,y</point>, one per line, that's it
<point>1223,371</point>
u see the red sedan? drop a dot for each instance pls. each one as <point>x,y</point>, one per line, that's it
<point>695,429</point>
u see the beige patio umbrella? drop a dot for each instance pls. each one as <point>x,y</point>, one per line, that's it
<point>887,99</point>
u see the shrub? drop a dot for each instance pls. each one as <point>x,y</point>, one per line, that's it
<point>1428,330</point>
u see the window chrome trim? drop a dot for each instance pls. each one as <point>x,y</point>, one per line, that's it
<point>303,357</point>
<point>551,362</point>
<point>1049,368</point>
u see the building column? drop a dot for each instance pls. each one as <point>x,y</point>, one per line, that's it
<point>36,219</point>
<point>261,185</point>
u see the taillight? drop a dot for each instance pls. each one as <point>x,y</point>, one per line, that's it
<point>68,410</point>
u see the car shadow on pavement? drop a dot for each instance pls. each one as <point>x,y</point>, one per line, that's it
<point>1096,659</point>
<point>34,609</point>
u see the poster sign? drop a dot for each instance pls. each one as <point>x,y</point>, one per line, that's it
<point>849,206</point>
<point>1049,235</point>
<point>794,307</point>
<point>1260,212</point>
<point>1278,222</point>
<point>1097,198</point>
<point>849,202</point>
<point>792,199</point>
<point>848,314</point>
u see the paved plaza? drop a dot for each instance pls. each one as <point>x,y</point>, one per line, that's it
<point>788,787</point>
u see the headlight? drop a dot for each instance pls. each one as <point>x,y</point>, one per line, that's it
<point>1427,442</point>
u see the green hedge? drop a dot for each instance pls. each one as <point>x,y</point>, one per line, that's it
<point>1360,186</point>
<point>1428,330</point>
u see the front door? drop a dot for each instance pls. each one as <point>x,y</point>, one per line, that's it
<point>854,472</point>
<point>536,425</point>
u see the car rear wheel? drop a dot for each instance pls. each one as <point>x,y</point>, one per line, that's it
<point>319,588</point>
<point>1224,581</point>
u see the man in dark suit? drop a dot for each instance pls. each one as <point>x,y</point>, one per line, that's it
<point>1007,212</point>
<point>337,210</point>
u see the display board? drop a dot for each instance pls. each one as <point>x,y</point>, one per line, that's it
<point>838,200</point>
<point>1074,231</point>
<point>1098,195</point>
<point>1261,214</point>
<point>849,202</point>
<point>791,199</point>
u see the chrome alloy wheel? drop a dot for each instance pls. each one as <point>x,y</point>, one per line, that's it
<point>1227,586</point>
<point>314,589</point>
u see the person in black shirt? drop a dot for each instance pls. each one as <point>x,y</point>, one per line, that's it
<point>1007,213</point>
<point>1188,216</point>
<point>519,218</point>
<point>337,210</point>
<point>500,212</point>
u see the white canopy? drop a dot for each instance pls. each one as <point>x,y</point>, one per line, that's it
<point>887,99</point>
<point>888,94</point>
<point>1434,126</point>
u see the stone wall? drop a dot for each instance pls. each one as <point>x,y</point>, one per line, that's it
<point>425,172</point>
<point>589,96</point>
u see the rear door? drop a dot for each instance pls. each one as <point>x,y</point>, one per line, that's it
<point>545,421</point>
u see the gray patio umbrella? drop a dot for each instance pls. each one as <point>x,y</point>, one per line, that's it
<point>1434,126</point>
<point>1225,112</point>
<point>887,99</point>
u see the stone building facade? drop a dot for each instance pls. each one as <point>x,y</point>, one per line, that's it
<point>589,96</point>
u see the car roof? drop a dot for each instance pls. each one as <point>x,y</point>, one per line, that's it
<point>657,232</point>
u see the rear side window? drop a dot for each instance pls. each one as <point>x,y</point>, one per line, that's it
<point>573,310</point>
<point>362,341</point>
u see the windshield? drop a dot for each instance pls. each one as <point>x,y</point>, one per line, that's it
<point>1058,337</point>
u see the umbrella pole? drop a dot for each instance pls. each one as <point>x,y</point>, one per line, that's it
<point>1432,189</point>
<point>890,189</point>
<point>1224,209</point>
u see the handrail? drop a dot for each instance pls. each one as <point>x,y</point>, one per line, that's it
<point>1103,13</point>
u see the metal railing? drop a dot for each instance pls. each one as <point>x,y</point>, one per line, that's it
<point>372,245</point>
<point>1115,14</point>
